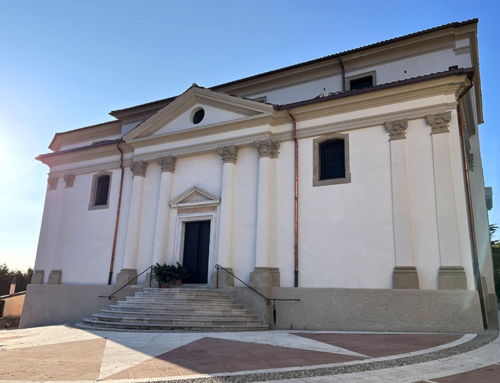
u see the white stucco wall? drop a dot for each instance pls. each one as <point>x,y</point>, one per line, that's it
<point>89,237</point>
<point>393,70</point>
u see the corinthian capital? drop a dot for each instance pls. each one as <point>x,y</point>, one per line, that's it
<point>228,154</point>
<point>167,163</point>
<point>139,168</point>
<point>52,181</point>
<point>439,122</point>
<point>267,148</point>
<point>397,129</point>
<point>70,180</point>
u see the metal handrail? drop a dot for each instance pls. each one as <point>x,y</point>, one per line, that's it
<point>129,282</point>
<point>268,300</point>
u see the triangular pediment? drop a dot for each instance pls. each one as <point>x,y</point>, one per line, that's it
<point>195,196</point>
<point>178,116</point>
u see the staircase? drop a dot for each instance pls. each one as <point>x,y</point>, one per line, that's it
<point>175,310</point>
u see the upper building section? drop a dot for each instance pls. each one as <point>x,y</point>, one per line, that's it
<point>437,50</point>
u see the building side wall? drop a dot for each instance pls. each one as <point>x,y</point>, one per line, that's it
<point>13,306</point>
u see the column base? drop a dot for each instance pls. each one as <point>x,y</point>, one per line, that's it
<point>405,277</point>
<point>55,277</point>
<point>38,277</point>
<point>265,277</point>
<point>125,276</point>
<point>452,278</point>
<point>225,279</point>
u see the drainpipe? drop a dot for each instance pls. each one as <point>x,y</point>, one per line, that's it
<point>475,258</point>
<point>117,214</point>
<point>296,198</point>
<point>343,72</point>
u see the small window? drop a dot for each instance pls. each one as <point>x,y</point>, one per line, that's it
<point>99,195</point>
<point>363,82</point>
<point>331,160</point>
<point>198,116</point>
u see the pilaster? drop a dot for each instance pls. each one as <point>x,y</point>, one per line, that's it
<point>451,273</point>
<point>405,274</point>
<point>132,242</point>
<point>167,165</point>
<point>225,251</point>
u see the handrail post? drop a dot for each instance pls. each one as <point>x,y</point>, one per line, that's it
<point>217,285</point>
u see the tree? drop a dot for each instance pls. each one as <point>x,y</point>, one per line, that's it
<point>495,250</point>
<point>23,278</point>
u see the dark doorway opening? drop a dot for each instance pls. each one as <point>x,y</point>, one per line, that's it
<point>196,249</point>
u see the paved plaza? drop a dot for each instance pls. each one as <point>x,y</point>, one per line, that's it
<point>67,354</point>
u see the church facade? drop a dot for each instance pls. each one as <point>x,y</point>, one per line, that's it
<point>352,182</point>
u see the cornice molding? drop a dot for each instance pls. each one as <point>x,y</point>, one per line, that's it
<point>195,197</point>
<point>194,132</point>
<point>190,98</point>
<point>90,153</point>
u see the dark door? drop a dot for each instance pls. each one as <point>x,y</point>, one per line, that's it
<point>196,246</point>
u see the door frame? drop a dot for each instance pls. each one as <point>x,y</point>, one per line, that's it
<point>180,227</point>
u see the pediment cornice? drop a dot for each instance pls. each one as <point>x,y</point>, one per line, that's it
<point>195,197</point>
<point>193,96</point>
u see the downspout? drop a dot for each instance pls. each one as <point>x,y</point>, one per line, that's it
<point>475,258</point>
<point>343,73</point>
<point>296,284</point>
<point>117,215</point>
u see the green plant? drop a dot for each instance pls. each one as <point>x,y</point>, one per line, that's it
<point>163,273</point>
<point>181,272</point>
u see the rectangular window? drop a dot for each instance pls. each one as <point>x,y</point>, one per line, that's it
<point>100,190</point>
<point>331,160</point>
<point>361,81</point>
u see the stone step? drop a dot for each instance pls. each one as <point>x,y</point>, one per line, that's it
<point>160,309</point>
<point>177,321</point>
<point>148,305</point>
<point>102,325</point>
<point>176,315</point>
<point>180,295</point>
<point>178,300</point>
<point>171,290</point>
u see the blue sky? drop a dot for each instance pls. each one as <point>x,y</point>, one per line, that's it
<point>66,64</point>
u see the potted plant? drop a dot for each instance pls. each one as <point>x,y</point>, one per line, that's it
<point>180,273</point>
<point>163,274</point>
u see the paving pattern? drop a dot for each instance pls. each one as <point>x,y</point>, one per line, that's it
<point>65,354</point>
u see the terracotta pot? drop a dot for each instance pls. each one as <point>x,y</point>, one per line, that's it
<point>165,285</point>
<point>178,282</point>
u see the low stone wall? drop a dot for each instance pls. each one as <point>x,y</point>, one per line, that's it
<point>47,305</point>
<point>378,310</point>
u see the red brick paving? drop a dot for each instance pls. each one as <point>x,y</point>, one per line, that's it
<point>380,345</point>
<point>489,374</point>
<point>80,360</point>
<point>210,355</point>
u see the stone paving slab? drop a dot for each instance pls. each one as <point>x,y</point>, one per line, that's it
<point>65,354</point>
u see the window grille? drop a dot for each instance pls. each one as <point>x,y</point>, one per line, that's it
<point>332,159</point>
